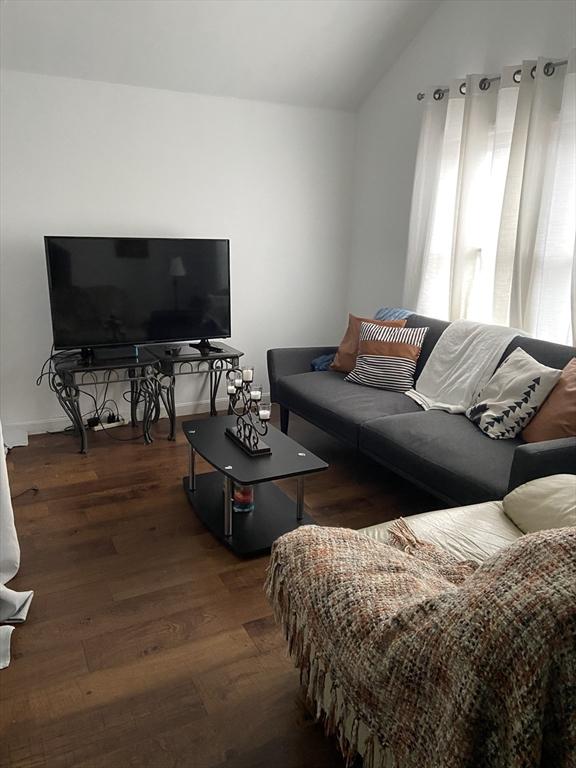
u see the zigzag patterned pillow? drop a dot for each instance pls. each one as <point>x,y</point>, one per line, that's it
<point>512,396</point>
<point>387,357</point>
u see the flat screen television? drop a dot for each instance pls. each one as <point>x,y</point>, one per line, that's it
<point>125,291</point>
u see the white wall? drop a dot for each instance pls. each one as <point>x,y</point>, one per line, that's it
<point>90,158</point>
<point>478,36</point>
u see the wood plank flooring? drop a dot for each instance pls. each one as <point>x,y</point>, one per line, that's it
<point>148,643</point>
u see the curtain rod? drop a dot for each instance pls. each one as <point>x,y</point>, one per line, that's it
<point>548,69</point>
<point>550,66</point>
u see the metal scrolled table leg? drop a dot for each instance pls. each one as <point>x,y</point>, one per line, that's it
<point>171,407</point>
<point>214,382</point>
<point>155,391</point>
<point>234,363</point>
<point>149,394</point>
<point>134,397</point>
<point>68,396</point>
<point>156,406</point>
<point>166,394</point>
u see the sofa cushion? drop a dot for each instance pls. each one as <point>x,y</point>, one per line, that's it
<point>387,357</point>
<point>338,406</point>
<point>442,452</point>
<point>435,329</point>
<point>345,358</point>
<point>548,502</point>
<point>507,402</point>
<point>546,352</point>
<point>475,532</point>
<point>557,416</point>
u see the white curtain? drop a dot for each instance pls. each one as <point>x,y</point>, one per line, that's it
<point>13,605</point>
<point>424,193</point>
<point>493,220</point>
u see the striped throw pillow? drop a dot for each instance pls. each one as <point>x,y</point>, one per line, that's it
<point>387,357</point>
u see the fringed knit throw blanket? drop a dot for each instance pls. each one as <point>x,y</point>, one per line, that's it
<point>414,660</point>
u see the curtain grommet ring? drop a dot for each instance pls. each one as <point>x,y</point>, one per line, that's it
<point>438,94</point>
<point>533,72</point>
<point>517,76</point>
<point>420,96</point>
<point>484,84</point>
<point>549,68</point>
<point>462,89</point>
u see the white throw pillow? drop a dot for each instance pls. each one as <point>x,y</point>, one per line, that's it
<point>511,398</point>
<point>549,502</point>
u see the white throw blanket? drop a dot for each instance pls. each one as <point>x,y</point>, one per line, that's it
<point>462,361</point>
<point>13,605</point>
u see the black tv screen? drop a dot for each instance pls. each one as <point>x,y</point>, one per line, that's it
<point>111,291</point>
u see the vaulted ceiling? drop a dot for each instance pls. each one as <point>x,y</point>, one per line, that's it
<point>323,53</point>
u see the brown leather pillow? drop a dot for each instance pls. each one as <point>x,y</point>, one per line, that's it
<point>345,358</point>
<point>557,415</point>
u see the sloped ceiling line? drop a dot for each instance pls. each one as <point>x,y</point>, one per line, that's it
<point>311,53</point>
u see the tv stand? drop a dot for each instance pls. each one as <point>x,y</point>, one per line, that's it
<point>204,347</point>
<point>74,373</point>
<point>151,373</point>
<point>197,360</point>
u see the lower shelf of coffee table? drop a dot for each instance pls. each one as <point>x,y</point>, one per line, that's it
<point>252,532</point>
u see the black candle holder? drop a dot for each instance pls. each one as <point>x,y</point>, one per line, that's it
<point>244,404</point>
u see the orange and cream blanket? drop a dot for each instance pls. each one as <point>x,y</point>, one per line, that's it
<point>414,660</point>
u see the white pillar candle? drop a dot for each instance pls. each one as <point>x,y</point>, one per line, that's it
<point>256,394</point>
<point>264,414</point>
<point>231,389</point>
<point>237,383</point>
<point>247,374</point>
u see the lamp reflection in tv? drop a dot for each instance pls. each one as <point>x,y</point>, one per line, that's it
<point>176,270</point>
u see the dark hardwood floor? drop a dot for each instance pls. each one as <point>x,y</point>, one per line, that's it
<point>149,644</point>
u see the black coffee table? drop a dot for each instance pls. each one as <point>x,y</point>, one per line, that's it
<point>246,533</point>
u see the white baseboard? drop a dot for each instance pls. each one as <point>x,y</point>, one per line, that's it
<point>13,436</point>
<point>61,423</point>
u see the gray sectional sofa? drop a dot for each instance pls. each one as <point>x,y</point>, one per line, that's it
<point>446,454</point>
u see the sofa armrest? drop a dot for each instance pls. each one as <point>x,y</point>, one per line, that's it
<point>291,360</point>
<point>552,457</point>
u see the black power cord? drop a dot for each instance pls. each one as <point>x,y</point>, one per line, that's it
<point>106,431</point>
<point>48,371</point>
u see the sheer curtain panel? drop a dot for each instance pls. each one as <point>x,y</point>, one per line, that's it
<point>493,219</point>
<point>424,192</point>
<point>14,604</point>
